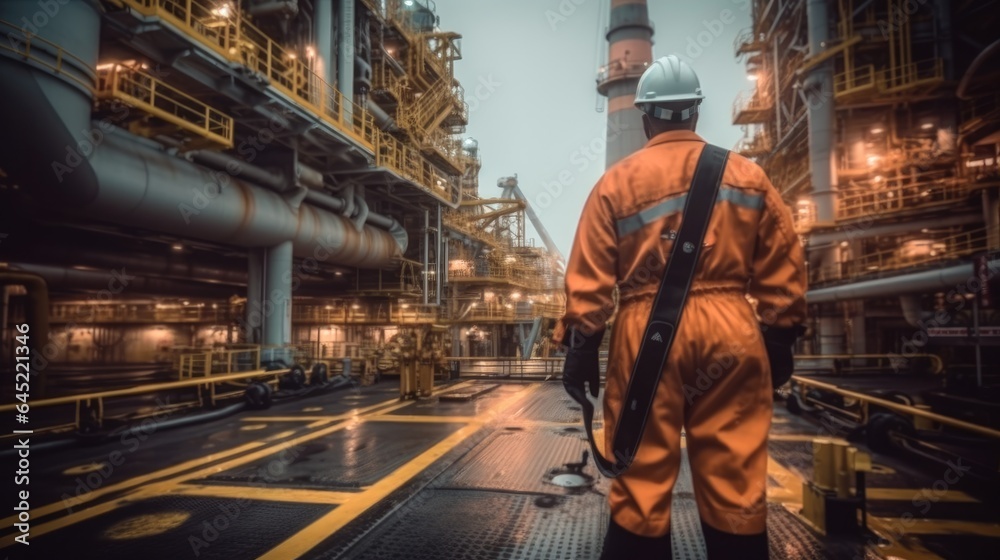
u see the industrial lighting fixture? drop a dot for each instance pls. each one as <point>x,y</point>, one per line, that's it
<point>877,179</point>
<point>223,11</point>
<point>338,273</point>
<point>328,307</point>
<point>186,302</point>
<point>355,306</point>
<point>927,126</point>
<point>752,76</point>
<point>515,296</point>
<point>291,55</point>
<point>405,306</point>
<point>844,244</point>
<point>877,130</point>
<point>310,51</point>
<point>177,247</point>
<point>873,160</point>
<point>408,3</point>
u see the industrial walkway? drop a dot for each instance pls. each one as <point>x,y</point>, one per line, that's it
<point>476,472</point>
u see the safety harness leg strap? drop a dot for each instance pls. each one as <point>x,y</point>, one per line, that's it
<point>664,318</point>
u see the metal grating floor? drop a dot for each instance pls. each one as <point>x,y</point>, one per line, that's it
<point>357,456</point>
<point>517,461</point>
<point>172,528</point>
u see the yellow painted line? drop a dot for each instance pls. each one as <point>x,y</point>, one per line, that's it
<point>163,487</point>
<point>917,526</point>
<point>271,494</point>
<point>419,419</point>
<point>318,531</point>
<point>302,418</point>
<point>790,482</point>
<point>136,481</point>
<point>318,423</point>
<point>891,530</point>
<point>66,521</point>
<point>801,437</point>
<point>908,494</point>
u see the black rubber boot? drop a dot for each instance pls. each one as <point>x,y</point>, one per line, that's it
<point>621,544</point>
<point>728,546</point>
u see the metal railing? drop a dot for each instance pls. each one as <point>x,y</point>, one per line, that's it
<point>856,80</point>
<point>98,313</point>
<point>94,402</point>
<point>217,362</point>
<point>45,54</point>
<point>914,74</point>
<point>867,401</point>
<point>620,68</point>
<point>951,247</point>
<point>751,106</point>
<point>894,197</point>
<point>142,91</point>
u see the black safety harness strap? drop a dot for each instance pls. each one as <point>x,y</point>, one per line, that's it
<point>664,317</point>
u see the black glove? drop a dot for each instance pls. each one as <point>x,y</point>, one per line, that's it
<point>582,363</point>
<point>780,345</point>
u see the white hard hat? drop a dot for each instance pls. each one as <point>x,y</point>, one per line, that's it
<point>668,80</point>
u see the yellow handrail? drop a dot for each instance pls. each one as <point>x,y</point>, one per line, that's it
<point>139,89</point>
<point>23,43</point>
<point>223,29</point>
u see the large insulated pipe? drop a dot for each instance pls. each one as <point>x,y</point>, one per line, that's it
<point>818,89</point>
<point>277,328</point>
<point>129,182</point>
<point>630,50</point>
<point>49,133</point>
<point>865,230</point>
<point>345,59</point>
<point>336,204</point>
<point>323,32</point>
<point>961,278</point>
<point>36,314</point>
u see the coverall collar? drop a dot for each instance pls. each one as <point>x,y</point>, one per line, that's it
<point>674,136</point>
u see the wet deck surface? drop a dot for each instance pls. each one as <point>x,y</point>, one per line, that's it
<point>360,474</point>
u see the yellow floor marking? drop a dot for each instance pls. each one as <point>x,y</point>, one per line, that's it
<point>790,482</point>
<point>307,538</point>
<point>800,437</point>
<point>136,481</point>
<point>303,418</point>
<point>273,494</point>
<point>942,526</point>
<point>909,494</point>
<point>890,530</point>
<point>68,520</point>
<point>418,419</point>
<point>162,487</point>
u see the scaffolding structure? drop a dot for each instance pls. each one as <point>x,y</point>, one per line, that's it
<point>915,172</point>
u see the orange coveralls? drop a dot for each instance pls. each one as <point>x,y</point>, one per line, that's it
<point>717,381</point>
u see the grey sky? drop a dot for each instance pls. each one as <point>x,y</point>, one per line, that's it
<point>528,71</point>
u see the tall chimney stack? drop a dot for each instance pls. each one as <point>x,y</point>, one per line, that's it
<point>630,51</point>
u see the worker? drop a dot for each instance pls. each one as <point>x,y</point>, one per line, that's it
<point>717,383</point>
